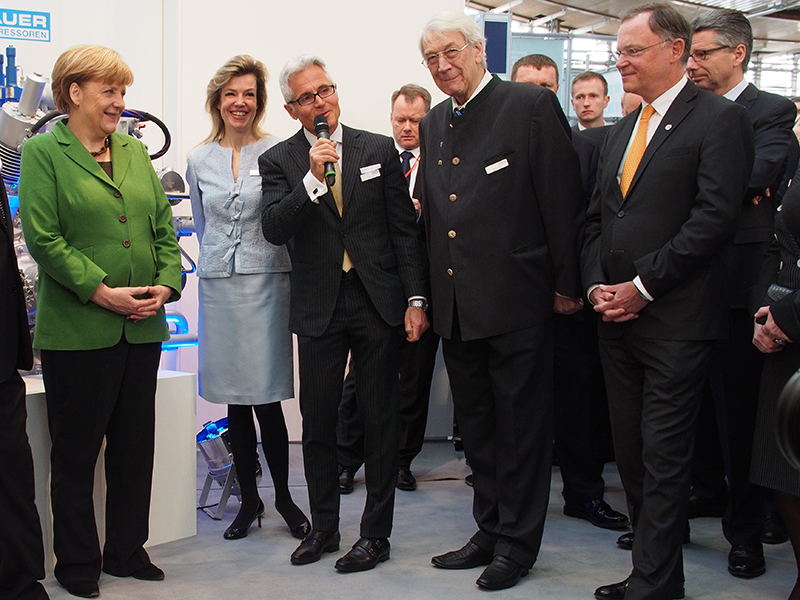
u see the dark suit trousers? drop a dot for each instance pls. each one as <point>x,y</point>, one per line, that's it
<point>358,327</point>
<point>503,398</point>
<point>92,395</point>
<point>417,363</point>
<point>735,378</point>
<point>654,392</point>
<point>21,551</point>
<point>575,350</point>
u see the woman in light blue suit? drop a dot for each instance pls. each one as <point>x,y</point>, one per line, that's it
<point>245,349</point>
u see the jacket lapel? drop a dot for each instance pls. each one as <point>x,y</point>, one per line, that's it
<point>120,158</point>
<point>352,153</point>
<point>677,112</point>
<point>618,149</point>
<point>298,147</point>
<point>75,150</point>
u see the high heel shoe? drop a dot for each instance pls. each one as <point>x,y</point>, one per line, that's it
<point>296,520</point>
<point>239,527</point>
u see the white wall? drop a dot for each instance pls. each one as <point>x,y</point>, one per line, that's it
<point>174,47</point>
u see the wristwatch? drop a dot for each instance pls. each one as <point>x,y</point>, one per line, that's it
<point>419,303</point>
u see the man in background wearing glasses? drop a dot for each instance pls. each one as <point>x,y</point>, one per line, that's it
<point>502,199</point>
<point>721,45</point>
<point>670,184</point>
<point>357,284</point>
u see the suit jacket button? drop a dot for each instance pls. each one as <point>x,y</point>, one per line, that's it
<point>451,234</point>
<point>453,197</point>
<point>126,243</point>
<point>123,218</point>
<point>117,194</point>
<point>621,214</point>
<point>450,272</point>
<point>456,160</point>
<point>440,162</point>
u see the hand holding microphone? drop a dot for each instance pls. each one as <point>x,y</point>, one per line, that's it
<point>323,133</point>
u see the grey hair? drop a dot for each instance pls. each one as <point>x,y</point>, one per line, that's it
<point>297,65</point>
<point>731,28</point>
<point>453,21</point>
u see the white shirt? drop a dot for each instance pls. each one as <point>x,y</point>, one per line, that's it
<point>487,77</point>
<point>733,93</point>
<point>582,128</point>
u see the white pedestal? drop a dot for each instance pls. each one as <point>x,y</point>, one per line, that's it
<point>172,510</point>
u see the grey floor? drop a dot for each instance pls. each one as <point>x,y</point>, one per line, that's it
<point>575,557</point>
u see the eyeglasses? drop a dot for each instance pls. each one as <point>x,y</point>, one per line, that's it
<point>432,60</point>
<point>635,52</point>
<point>701,55</point>
<point>309,98</point>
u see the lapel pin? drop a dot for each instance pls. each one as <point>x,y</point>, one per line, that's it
<point>668,126</point>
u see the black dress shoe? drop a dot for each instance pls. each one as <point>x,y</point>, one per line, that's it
<point>501,573</point>
<point>598,513</point>
<point>706,507</point>
<point>468,557</point>
<point>746,560</point>
<point>346,475</point>
<point>406,480</point>
<point>625,541</point>
<point>310,549</point>
<point>616,591</point>
<point>83,589</point>
<point>148,573</point>
<point>774,529</point>
<point>365,554</point>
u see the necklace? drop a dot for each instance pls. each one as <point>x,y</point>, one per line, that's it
<point>106,144</point>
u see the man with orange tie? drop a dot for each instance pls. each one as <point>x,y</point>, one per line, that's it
<point>669,187</point>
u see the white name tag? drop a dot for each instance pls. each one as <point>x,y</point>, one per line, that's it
<point>254,173</point>
<point>370,172</point>
<point>500,164</point>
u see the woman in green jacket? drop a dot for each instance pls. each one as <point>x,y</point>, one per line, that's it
<point>98,224</point>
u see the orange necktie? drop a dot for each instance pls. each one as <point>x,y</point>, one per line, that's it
<point>636,152</point>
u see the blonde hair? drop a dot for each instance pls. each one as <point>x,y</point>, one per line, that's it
<point>83,63</point>
<point>241,64</point>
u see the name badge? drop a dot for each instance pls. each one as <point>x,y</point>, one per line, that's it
<point>370,172</point>
<point>254,173</point>
<point>500,164</point>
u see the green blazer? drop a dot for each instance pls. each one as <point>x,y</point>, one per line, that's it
<point>82,228</point>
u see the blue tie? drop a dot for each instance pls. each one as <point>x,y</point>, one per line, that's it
<point>406,156</point>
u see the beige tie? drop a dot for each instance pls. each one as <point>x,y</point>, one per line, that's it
<point>636,152</point>
<point>347,264</point>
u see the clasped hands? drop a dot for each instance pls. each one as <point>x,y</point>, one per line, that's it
<point>768,337</point>
<point>617,303</point>
<point>124,300</point>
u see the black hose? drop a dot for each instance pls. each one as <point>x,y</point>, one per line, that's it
<point>145,116</point>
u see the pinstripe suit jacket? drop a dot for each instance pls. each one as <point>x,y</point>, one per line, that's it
<point>377,229</point>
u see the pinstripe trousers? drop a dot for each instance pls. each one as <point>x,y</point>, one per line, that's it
<point>357,327</point>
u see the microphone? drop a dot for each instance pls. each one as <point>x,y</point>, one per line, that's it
<point>322,131</point>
